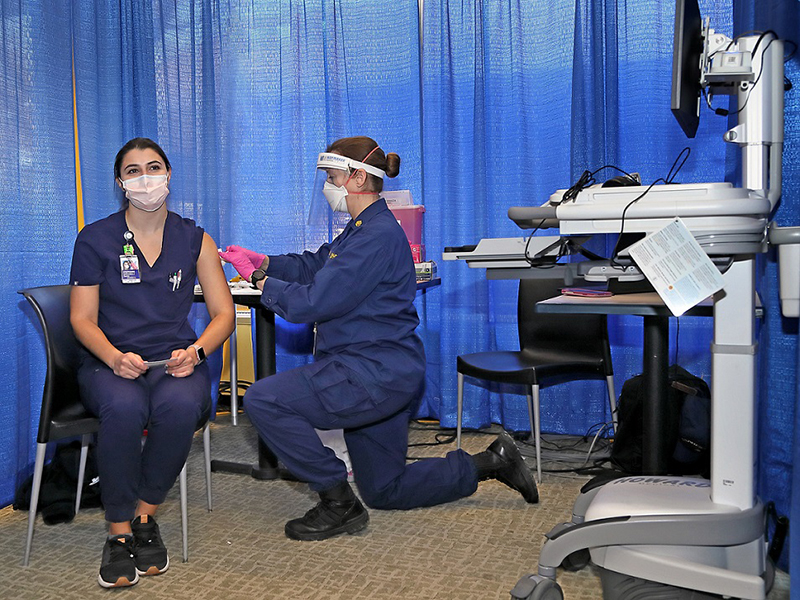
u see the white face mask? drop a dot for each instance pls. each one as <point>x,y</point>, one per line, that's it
<point>146,192</point>
<point>336,196</point>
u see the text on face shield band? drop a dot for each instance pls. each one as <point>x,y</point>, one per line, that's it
<point>329,160</point>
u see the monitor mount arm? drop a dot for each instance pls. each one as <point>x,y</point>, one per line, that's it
<point>751,68</point>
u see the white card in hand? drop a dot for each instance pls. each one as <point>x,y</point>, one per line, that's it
<point>157,363</point>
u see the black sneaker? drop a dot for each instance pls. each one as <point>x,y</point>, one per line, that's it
<point>117,568</point>
<point>339,511</point>
<point>149,552</point>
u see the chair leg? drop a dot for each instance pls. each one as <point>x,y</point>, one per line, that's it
<point>533,416</point>
<point>612,401</point>
<point>207,462</point>
<point>459,409</point>
<point>85,438</point>
<point>37,484</point>
<point>184,517</point>
<point>233,347</point>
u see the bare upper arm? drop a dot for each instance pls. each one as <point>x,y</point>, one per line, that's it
<point>84,304</point>
<point>216,292</point>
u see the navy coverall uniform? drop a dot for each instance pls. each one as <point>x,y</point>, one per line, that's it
<point>150,319</point>
<point>368,373</point>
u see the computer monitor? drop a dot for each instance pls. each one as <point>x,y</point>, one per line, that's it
<point>686,50</point>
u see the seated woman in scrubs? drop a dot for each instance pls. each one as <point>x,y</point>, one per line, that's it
<point>133,276</point>
<point>369,368</point>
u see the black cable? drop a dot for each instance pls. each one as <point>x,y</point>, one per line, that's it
<point>441,439</point>
<point>528,258</point>
<point>724,112</point>
<point>671,174</point>
<point>615,252</point>
<point>585,180</point>
<point>761,37</point>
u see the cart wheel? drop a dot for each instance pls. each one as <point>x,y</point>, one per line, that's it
<point>576,561</point>
<point>547,590</point>
<point>536,587</point>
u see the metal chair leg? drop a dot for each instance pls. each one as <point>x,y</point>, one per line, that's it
<point>85,438</point>
<point>459,409</point>
<point>38,468</point>
<point>612,401</point>
<point>207,462</point>
<point>533,416</point>
<point>232,345</point>
<point>184,516</point>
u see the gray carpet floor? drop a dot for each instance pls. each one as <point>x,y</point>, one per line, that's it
<point>476,548</point>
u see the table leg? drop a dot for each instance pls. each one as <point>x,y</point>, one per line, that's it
<point>267,467</point>
<point>655,410</point>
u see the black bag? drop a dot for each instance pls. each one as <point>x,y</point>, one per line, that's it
<point>59,483</point>
<point>688,426</point>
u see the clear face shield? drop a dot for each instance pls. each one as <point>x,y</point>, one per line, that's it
<point>329,201</point>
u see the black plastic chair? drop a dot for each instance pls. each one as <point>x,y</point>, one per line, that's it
<point>62,413</point>
<point>562,347</point>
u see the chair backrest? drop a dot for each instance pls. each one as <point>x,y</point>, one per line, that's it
<point>51,304</point>
<point>576,335</point>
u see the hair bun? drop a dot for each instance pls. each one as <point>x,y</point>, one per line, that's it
<point>392,164</point>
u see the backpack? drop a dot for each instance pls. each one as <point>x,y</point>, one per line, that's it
<point>59,485</point>
<point>688,425</point>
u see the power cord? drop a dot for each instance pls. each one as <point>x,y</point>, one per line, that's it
<point>725,112</point>
<point>671,175</point>
<point>585,180</point>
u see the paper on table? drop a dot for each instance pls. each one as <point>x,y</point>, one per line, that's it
<point>676,265</point>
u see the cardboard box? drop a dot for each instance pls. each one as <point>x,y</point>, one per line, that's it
<point>418,252</point>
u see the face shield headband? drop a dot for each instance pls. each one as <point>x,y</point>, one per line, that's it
<point>329,160</point>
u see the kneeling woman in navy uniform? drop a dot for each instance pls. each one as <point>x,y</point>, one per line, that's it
<point>369,367</point>
<point>133,276</point>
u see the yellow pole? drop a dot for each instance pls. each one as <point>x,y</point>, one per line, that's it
<point>78,186</point>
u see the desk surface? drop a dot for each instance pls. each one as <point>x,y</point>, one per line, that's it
<point>244,293</point>
<point>646,304</point>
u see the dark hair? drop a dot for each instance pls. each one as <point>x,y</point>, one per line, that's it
<point>139,143</point>
<point>361,147</point>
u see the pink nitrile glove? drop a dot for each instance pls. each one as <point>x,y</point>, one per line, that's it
<point>240,262</point>
<point>256,258</point>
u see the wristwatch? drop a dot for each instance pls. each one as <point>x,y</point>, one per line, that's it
<point>258,275</point>
<point>201,354</point>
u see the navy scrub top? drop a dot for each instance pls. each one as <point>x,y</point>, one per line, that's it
<point>147,318</point>
<point>359,290</point>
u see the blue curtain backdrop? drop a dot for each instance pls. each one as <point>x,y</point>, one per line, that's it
<point>501,104</point>
<point>37,208</point>
<point>779,425</point>
<point>520,99</point>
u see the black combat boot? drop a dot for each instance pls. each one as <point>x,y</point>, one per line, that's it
<point>339,511</point>
<point>502,461</point>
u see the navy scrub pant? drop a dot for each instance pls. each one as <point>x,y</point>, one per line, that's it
<point>286,408</point>
<point>170,408</point>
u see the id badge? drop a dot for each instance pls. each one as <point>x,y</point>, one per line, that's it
<point>129,268</point>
